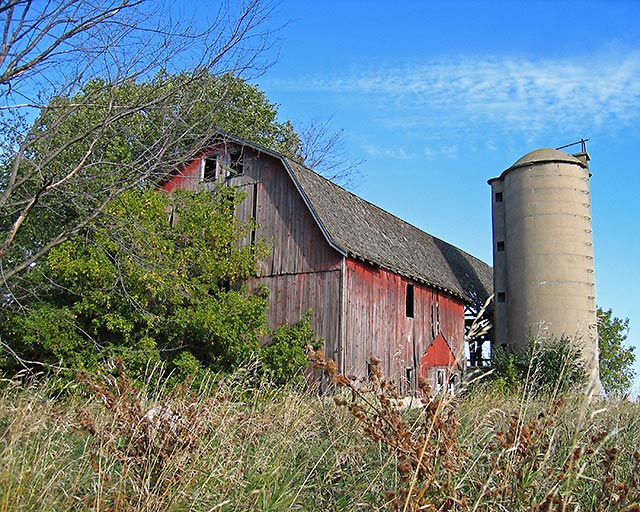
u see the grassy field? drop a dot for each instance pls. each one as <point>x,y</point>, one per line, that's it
<point>236,447</point>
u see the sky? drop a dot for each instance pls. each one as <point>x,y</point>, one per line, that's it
<point>435,98</point>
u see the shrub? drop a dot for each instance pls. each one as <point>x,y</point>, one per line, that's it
<point>284,359</point>
<point>546,366</point>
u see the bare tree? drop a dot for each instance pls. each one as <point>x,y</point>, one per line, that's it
<point>322,149</point>
<point>63,60</point>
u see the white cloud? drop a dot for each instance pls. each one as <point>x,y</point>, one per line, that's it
<point>392,153</point>
<point>512,94</point>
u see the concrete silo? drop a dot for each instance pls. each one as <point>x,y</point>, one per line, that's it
<point>544,281</point>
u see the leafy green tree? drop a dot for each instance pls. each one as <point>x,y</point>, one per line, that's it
<point>616,358</point>
<point>105,83</point>
<point>147,290</point>
<point>94,161</point>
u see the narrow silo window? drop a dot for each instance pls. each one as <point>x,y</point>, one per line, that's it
<point>500,246</point>
<point>502,297</point>
<point>409,302</point>
<point>498,197</point>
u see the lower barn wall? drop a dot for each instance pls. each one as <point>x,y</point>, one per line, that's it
<point>291,295</point>
<point>376,323</point>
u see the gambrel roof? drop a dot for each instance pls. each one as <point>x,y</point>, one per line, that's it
<point>359,229</point>
<point>365,231</point>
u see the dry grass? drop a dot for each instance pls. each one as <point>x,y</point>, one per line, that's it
<point>236,447</point>
<point>493,451</point>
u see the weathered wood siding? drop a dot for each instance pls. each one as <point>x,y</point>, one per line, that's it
<point>302,271</point>
<point>291,295</point>
<point>376,322</point>
<point>283,219</point>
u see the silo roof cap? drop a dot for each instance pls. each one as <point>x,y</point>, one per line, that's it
<point>544,155</point>
<point>547,155</point>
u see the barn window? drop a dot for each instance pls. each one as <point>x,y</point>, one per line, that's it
<point>435,318</point>
<point>409,301</point>
<point>441,379</point>
<point>408,375</point>
<point>218,167</point>
<point>499,198</point>
<point>500,246</point>
<point>236,162</point>
<point>210,168</point>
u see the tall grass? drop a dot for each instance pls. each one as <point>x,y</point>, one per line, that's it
<point>234,445</point>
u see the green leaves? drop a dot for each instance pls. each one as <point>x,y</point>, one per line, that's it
<point>616,358</point>
<point>87,148</point>
<point>547,365</point>
<point>285,358</point>
<point>136,286</point>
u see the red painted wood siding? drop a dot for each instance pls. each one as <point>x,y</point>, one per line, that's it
<point>188,178</point>
<point>376,323</point>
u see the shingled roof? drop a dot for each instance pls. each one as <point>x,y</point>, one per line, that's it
<point>364,231</point>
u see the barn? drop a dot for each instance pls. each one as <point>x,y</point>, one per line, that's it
<point>377,286</point>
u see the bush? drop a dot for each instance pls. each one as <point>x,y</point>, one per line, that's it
<point>144,290</point>
<point>548,366</point>
<point>285,358</point>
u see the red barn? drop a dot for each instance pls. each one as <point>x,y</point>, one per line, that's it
<point>377,285</point>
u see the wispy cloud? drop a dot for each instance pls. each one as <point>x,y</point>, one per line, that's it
<point>511,93</point>
<point>393,153</point>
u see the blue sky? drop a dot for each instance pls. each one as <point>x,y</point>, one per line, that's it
<point>437,97</point>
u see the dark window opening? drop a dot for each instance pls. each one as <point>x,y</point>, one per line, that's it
<point>409,302</point>
<point>498,197</point>
<point>502,297</point>
<point>408,374</point>
<point>441,379</point>
<point>435,318</point>
<point>254,216</point>
<point>236,162</point>
<point>369,371</point>
<point>210,167</point>
<point>500,246</point>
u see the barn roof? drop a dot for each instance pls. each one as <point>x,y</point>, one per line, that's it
<point>367,232</point>
<point>360,229</point>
